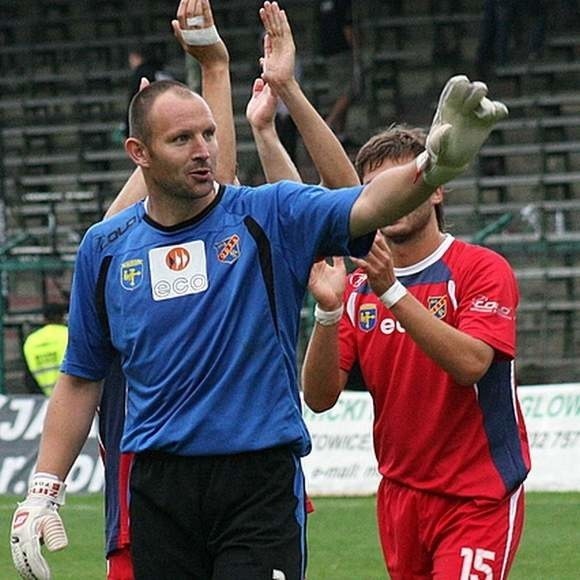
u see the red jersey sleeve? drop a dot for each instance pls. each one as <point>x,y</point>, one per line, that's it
<point>346,330</point>
<point>488,297</point>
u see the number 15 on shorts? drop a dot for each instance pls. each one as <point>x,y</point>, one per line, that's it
<point>476,561</point>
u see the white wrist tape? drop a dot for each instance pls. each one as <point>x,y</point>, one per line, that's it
<point>47,486</point>
<point>326,317</point>
<point>393,294</point>
<point>196,21</point>
<point>201,36</point>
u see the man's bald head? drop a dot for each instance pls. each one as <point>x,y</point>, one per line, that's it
<point>142,104</point>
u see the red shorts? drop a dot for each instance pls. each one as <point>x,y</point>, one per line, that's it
<point>432,537</point>
<point>120,565</point>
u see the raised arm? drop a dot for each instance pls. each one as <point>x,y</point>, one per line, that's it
<point>462,122</point>
<point>195,30</point>
<point>134,190</point>
<point>322,378</point>
<point>330,159</point>
<point>261,112</point>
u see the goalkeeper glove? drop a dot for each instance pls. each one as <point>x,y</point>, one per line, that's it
<point>36,521</point>
<point>463,120</point>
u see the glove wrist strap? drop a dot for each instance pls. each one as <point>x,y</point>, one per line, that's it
<point>433,174</point>
<point>47,486</point>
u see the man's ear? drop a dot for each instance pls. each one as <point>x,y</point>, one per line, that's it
<point>137,151</point>
<point>438,195</point>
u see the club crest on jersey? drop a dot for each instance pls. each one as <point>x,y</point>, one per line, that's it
<point>367,317</point>
<point>131,274</point>
<point>437,305</point>
<point>228,250</point>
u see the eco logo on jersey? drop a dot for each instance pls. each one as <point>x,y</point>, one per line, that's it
<point>131,274</point>
<point>437,306</point>
<point>228,249</point>
<point>178,271</point>
<point>367,317</point>
<point>177,259</point>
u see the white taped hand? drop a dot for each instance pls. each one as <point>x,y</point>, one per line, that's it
<point>201,36</point>
<point>36,521</point>
<point>462,122</point>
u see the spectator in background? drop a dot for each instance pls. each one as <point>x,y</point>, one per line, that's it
<point>496,35</point>
<point>509,24</point>
<point>336,46</point>
<point>45,347</point>
<point>538,14</point>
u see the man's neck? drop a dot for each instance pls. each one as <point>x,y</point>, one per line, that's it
<point>170,211</point>
<point>417,248</point>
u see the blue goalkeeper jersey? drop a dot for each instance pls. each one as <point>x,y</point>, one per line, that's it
<point>205,315</point>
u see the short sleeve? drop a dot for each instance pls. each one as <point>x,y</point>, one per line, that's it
<point>488,299</point>
<point>315,221</point>
<point>89,350</point>
<point>347,331</point>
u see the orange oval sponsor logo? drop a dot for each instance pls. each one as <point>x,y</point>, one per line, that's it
<point>177,259</point>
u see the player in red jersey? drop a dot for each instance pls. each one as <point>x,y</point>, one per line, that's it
<point>430,320</point>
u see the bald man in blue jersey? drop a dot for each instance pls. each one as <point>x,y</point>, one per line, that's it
<point>199,289</point>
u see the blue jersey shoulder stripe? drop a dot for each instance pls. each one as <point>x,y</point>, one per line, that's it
<point>435,273</point>
<point>500,424</point>
<point>100,294</point>
<point>111,423</point>
<point>266,265</point>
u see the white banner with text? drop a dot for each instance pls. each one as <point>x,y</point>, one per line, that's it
<point>342,461</point>
<point>552,415</point>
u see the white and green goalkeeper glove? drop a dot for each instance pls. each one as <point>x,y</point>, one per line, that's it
<point>35,522</point>
<point>462,122</point>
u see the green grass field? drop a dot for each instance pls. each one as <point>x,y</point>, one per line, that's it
<point>342,539</point>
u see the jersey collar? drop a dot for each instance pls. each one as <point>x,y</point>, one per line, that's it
<point>428,261</point>
<point>195,219</point>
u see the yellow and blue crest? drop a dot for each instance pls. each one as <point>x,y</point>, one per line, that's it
<point>131,274</point>
<point>228,250</point>
<point>367,317</point>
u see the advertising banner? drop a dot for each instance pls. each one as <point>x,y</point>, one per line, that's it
<point>342,461</point>
<point>553,420</point>
<point>21,419</point>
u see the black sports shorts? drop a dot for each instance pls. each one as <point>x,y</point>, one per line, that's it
<point>219,517</point>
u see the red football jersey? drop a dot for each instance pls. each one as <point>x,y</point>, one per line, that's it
<point>431,433</point>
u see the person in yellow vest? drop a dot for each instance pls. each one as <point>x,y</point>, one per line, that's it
<point>44,348</point>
